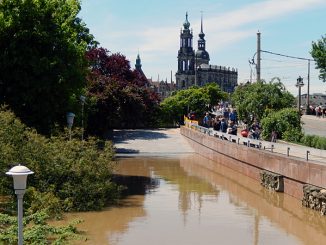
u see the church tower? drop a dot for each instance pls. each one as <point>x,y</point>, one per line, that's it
<point>138,66</point>
<point>185,76</point>
<point>202,56</point>
<point>138,63</point>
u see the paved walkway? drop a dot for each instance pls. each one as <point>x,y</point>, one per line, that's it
<point>164,142</point>
<point>314,125</point>
<point>155,142</point>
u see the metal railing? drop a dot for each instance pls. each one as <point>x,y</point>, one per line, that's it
<point>288,149</point>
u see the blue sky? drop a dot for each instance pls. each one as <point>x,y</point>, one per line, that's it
<point>152,28</point>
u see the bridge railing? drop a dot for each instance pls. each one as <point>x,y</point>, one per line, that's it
<point>293,150</point>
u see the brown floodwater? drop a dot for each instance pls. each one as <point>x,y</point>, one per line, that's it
<point>177,201</point>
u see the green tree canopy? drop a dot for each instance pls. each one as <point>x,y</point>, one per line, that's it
<point>318,52</point>
<point>196,99</point>
<point>42,58</point>
<point>285,122</point>
<point>253,100</point>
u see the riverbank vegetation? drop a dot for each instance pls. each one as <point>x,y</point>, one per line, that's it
<point>69,175</point>
<point>275,109</point>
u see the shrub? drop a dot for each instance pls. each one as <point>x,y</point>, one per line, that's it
<point>314,141</point>
<point>285,122</point>
<point>307,140</point>
<point>292,135</point>
<point>75,172</point>
<point>36,230</point>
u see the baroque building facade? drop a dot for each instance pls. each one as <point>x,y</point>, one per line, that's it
<point>194,67</point>
<point>162,88</point>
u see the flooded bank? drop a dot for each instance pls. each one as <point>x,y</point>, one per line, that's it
<point>181,201</point>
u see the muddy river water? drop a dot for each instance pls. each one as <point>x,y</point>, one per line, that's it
<point>177,201</point>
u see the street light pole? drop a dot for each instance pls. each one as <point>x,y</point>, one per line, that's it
<point>299,84</point>
<point>308,86</point>
<point>19,174</point>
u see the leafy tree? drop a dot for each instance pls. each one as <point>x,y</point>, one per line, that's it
<point>285,122</point>
<point>121,96</point>
<point>42,58</point>
<point>318,52</point>
<point>196,99</point>
<point>256,99</point>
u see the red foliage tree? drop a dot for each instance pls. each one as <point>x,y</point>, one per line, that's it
<point>121,96</point>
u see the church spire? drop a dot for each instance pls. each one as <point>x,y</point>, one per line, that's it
<point>201,23</point>
<point>201,34</point>
<point>201,40</point>
<point>186,24</point>
<point>138,63</point>
<point>202,56</point>
<point>138,66</point>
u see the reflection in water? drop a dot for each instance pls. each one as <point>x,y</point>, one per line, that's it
<point>181,201</point>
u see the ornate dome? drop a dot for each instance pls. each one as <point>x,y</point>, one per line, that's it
<point>186,24</point>
<point>202,54</point>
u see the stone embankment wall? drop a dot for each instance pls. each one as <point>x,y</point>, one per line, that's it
<point>273,170</point>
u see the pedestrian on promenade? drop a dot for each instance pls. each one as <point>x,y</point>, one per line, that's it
<point>234,116</point>
<point>273,136</point>
<point>224,125</point>
<point>207,120</point>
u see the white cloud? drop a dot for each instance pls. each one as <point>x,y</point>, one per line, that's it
<point>223,29</point>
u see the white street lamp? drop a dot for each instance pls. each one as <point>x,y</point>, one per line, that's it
<point>70,122</point>
<point>19,174</point>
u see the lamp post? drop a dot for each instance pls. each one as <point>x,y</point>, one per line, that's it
<point>82,101</point>
<point>299,84</point>
<point>19,174</point>
<point>70,122</point>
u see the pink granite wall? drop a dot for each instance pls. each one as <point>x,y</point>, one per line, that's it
<point>251,161</point>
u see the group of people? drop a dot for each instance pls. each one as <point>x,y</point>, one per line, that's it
<point>229,125</point>
<point>221,123</point>
<point>253,131</point>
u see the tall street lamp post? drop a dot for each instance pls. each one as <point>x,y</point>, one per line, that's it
<point>19,174</point>
<point>299,84</point>
<point>70,122</point>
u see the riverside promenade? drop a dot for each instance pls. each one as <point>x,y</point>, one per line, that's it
<point>159,142</point>
<point>151,142</point>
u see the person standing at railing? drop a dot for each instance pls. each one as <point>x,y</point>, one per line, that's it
<point>273,136</point>
<point>224,125</point>
<point>207,120</point>
<point>234,116</point>
<point>217,124</point>
<point>232,129</point>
